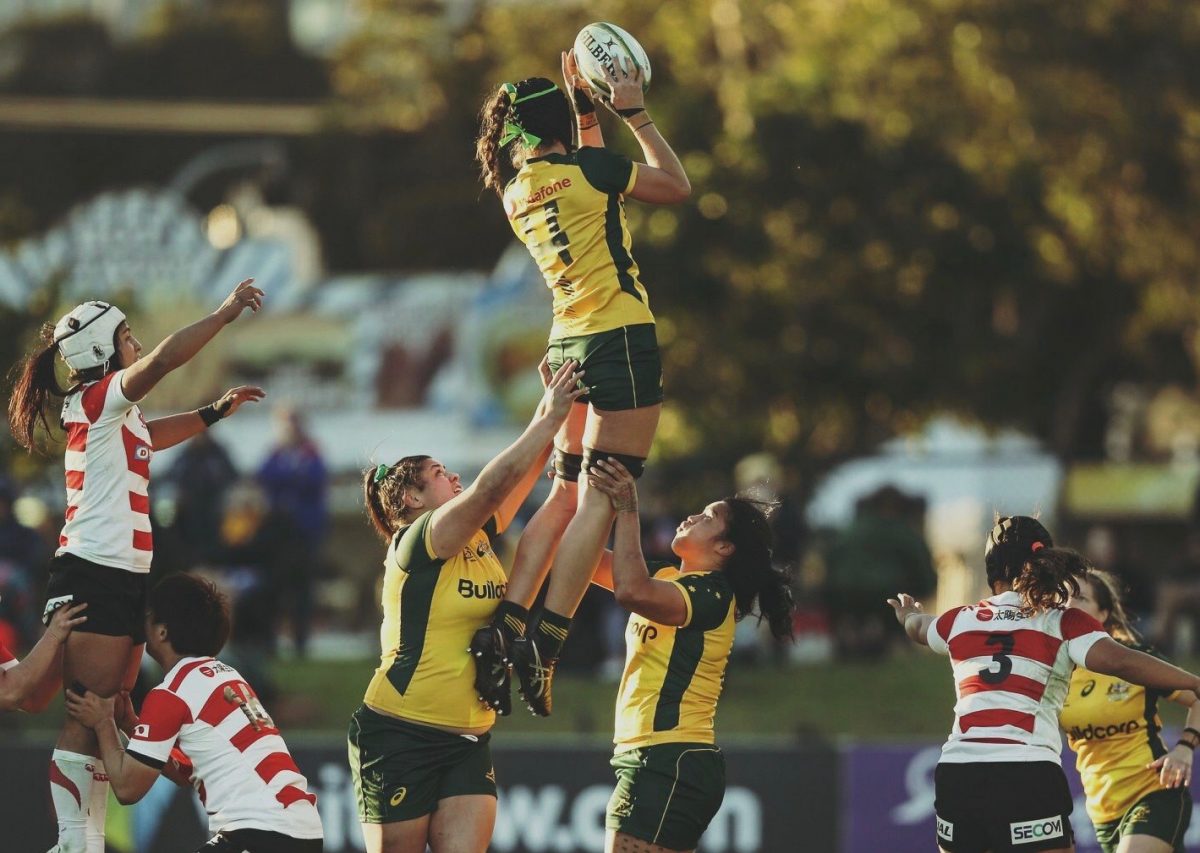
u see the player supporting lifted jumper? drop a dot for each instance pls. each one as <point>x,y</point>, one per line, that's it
<point>999,784</point>
<point>205,726</point>
<point>30,684</point>
<point>567,205</point>
<point>670,773</point>
<point>1137,791</point>
<point>419,744</point>
<point>106,544</point>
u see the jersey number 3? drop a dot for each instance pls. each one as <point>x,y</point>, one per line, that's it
<point>990,674</point>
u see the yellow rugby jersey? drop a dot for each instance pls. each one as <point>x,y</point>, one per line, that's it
<point>673,676</point>
<point>1113,727</point>
<point>431,607</point>
<point>569,212</point>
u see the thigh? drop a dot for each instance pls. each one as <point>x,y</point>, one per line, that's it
<point>405,836</point>
<point>619,842</point>
<point>101,663</point>
<point>630,431</point>
<point>1156,823</point>
<point>570,435</point>
<point>463,824</point>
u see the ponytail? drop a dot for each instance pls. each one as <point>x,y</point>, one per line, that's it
<point>384,488</point>
<point>1108,594</point>
<point>1049,578</point>
<point>487,146</point>
<point>32,390</point>
<point>758,587</point>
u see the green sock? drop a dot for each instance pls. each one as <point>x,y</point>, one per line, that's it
<point>552,630</point>
<point>510,618</point>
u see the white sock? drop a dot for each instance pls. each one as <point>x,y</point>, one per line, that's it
<point>71,781</point>
<point>97,808</point>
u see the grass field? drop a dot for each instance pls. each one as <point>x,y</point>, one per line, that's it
<point>907,697</point>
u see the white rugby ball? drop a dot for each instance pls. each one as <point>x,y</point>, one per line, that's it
<point>599,46</point>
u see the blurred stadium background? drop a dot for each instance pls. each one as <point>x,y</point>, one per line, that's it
<point>940,263</point>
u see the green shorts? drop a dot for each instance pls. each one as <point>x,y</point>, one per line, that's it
<point>623,367</point>
<point>667,794</point>
<point>1161,814</point>
<point>402,770</point>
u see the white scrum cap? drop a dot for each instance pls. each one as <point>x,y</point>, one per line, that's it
<point>85,336</point>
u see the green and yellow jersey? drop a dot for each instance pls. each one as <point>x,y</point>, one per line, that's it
<point>1113,727</point>
<point>569,212</point>
<point>431,607</point>
<point>673,675</point>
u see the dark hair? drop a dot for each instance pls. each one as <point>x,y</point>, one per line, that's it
<point>385,497</point>
<point>1108,593</point>
<point>195,613</point>
<point>548,117</point>
<point>37,382</point>
<point>1049,577</point>
<point>750,569</point>
<point>1010,544</point>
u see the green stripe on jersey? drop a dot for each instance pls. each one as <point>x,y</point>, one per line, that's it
<point>685,658</point>
<point>614,235</point>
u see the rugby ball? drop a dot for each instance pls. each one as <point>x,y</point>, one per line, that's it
<point>599,46</point>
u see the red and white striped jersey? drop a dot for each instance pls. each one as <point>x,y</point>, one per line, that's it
<point>108,478</point>
<point>7,661</point>
<point>240,765</point>
<point>1012,668</point>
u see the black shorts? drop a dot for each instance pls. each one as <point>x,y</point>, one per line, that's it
<point>1002,807</point>
<point>623,366</point>
<point>259,841</point>
<point>116,599</point>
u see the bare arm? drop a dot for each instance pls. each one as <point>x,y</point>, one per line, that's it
<point>910,614</point>
<point>455,522</point>
<point>178,348</point>
<point>511,505</point>
<point>130,778</point>
<point>1109,657</point>
<point>31,684</point>
<point>635,590</point>
<point>173,429</point>
<point>661,180</point>
<point>587,123</point>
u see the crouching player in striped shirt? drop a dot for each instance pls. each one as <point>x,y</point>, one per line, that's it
<point>999,784</point>
<point>228,748</point>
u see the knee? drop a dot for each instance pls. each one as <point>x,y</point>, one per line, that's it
<point>566,467</point>
<point>635,465</point>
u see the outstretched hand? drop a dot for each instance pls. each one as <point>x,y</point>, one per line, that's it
<point>563,389</point>
<point>613,479</point>
<point>89,710</point>
<point>64,621</point>
<point>624,86</point>
<point>571,76</point>
<point>905,605</point>
<point>232,399</point>
<point>244,296</point>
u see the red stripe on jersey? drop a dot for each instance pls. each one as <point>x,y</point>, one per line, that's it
<point>1003,740</point>
<point>77,434</point>
<point>274,764</point>
<point>217,708</point>
<point>71,510</point>
<point>62,541</point>
<point>57,777</point>
<point>1033,645</point>
<point>183,673</point>
<point>75,480</point>
<point>995,717</point>
<point>250,735</point>
<point>143,541</point>
<point>93,398</point>
<point>137,453</point>
<point>139,503</point>
<point>1012,684</point>
<point>946,621</point>
<point>1076,623</point>
<point>291,794</point>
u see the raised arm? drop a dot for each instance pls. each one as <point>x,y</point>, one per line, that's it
<point>178,348</point>
<point>171,430</point>
<point>32,683</point>
<point>633,587</point>
<point>456,521</point>
<point>1109,657</point>
<point>661,180</point>
<point>587,123</point>
<point>910,614</point>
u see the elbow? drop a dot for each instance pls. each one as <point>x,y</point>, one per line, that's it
<point>9,702</point>
<point>125,797</point>
<point>628,597</point>
<point>683,191</point>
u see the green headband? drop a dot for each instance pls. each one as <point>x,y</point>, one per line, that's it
<point>512,127</point>
<point>381,471</point>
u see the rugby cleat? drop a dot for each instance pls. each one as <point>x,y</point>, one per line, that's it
<point>536,675</point>
<point>493,679</point>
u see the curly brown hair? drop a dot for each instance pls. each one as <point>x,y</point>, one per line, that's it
<point>384,491</point>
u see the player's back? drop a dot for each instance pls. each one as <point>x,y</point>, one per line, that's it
<point>1012,666</point>
<point>243,771</point>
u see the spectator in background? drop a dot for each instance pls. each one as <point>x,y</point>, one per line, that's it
<point>1178,601</point>
<point>202,474</point>
<point>883,549</point>
<point>295,481</point>
<point>22,553</point>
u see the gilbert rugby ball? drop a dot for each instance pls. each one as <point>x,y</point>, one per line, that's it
<point>599,46</point>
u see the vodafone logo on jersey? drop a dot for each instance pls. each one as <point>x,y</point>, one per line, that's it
<point>984,615</point>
